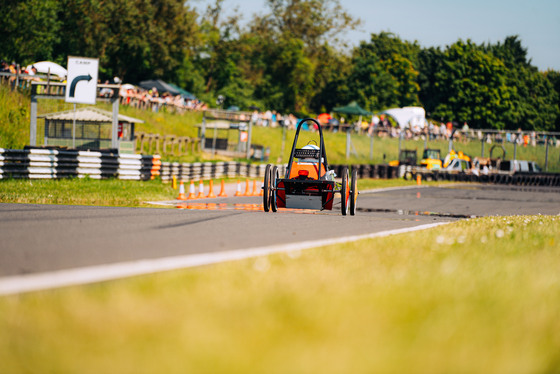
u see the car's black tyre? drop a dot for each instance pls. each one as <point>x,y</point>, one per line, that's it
<point>344,192</point>
<point>266,187</point>
<point>273,182</point>
<point>353,192</point>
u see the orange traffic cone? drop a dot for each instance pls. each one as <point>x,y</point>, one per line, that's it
<point>222,190</point>
<point>261,191</point>
<point>255,191</point>
<point>238,192</point>
<point>200,190</point>
<point>191,192</point>
<point>419,179</point>
<point>182,192</point>
<point>247,189</point>
<point>211,191</point>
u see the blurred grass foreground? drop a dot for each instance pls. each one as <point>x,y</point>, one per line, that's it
<point>474,296</point>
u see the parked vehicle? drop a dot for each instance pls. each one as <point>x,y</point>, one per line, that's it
<point>406,157</point>
<point>431,159</point>
<point>455,155</point>
<point>458,165</point>
<point>519,166</point>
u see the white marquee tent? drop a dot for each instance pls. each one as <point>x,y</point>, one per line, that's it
<point>409,116</point>
<point>46,66</point>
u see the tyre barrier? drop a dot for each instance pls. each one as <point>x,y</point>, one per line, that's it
<point>39,163</point>
<point>55,164</point>
<point>384,171</point>
<point>519,179</point>
<point>186,172</point>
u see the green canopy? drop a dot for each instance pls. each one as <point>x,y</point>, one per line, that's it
<point>186,94</point>
<point>352,108</point>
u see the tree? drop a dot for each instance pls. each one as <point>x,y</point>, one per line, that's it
<point>29,30</point>
<point>221,59</point>
<point>331,80</point>
<point>314,22</point>
<point>290,46</point>
<point>429,63</point>
<point>554,79</point>
<point>133,39</point>
<point>383,73</point>
<point>472,88</point>
<point>534,100</point>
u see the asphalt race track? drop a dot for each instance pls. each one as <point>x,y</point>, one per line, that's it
<point>45,238</point>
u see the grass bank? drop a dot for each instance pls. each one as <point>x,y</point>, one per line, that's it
<point>480,295</point>
<point>14,119</point>
<point>14,134</point>
<point>112,192</point>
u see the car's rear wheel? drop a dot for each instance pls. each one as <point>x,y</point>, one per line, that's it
<point>273,182</point>
<point>353,192</point>
<point>344,192</point>
<point>266,187</point>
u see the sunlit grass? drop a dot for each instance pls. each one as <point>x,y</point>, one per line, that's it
<point>480,296</point>
<point>111,192</point>
<point>14,118</point>
<point>368,184</point>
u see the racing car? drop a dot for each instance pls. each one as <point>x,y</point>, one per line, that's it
<point>309,183</point>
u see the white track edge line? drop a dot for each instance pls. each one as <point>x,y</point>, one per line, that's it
<point>99,273</point>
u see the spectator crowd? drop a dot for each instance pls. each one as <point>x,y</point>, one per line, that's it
<point>153,100</point>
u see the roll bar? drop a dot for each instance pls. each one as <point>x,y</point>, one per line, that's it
<point>322,153</point>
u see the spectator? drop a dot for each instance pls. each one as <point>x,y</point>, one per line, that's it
<point>267,117</point>
<point>12,69</point>
<point>465,130</point>
<point>280,119</point>
<point>449,129</point>
<point>106,92</point>
<point>443,131</point>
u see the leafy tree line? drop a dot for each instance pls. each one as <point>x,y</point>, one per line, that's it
<point>291,58</point>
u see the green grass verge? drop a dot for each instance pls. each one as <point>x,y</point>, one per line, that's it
<point>111,192</point>
<point>14,115</point>
<point>479,295</point>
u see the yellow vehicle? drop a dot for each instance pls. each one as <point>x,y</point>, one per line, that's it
<point>431,159</point>
<point>453,155</point>
<point>406,157</point>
